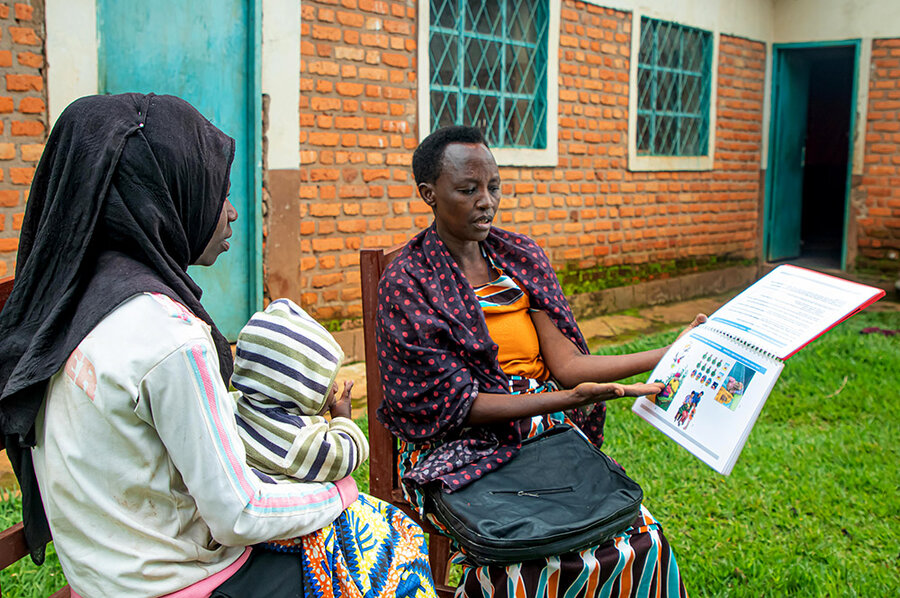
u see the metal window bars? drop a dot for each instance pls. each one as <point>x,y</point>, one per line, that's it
<point>674,80</point>
<point>489,68</point>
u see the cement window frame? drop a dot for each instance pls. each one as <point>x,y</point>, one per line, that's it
<point>523,157</point>
<point>642,163</point>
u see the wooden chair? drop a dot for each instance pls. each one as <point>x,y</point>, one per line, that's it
<point>12,539</point>
<point>384,481</point>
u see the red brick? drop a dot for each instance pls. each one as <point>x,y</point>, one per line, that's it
<point>30,59</point>
<point>4,11</point>
<point>17,221</point>
<point>327,139</point>
<point>350,89</point>
<point>349,122</point>
<point>351,226</point>
<point>21,176</point>
<point>23,12</point>
<point>326,280</point>
<point>19,82</point>
<point>377,40</point>
<point>350,19</point>
<point>395,60</point>
<point>31,105</point>
<point>24,36</point>
<point>376,6</point>
<point>326,33</point>
<point>327,244</point>
<point>7,152</point>
<point>398,28</point>
<point>8,245</point>
<point>9,198</point>
<point>348,191</point>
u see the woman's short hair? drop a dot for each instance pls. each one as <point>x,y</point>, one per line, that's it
<point>428,158</point>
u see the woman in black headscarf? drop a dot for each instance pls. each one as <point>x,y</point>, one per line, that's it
<point>113,378</point>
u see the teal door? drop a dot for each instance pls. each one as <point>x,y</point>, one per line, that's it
<point>787,155</point>
<point>205,51</point>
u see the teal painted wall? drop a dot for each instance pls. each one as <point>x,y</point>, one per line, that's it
<point>207,52</point>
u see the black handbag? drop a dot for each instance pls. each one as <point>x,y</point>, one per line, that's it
<point>559,494</point>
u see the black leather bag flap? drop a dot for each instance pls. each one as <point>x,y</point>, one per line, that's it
<point>559,494</point>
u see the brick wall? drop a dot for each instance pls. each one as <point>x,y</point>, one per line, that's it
<point>592,210</point>
<point>23,116</point>
<point>357,133</point>
<point>878,221</point>
<point>358,130</point>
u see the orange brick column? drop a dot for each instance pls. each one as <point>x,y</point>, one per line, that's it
<point>879,211</point>
<point>23,117</point>
<point>357,133</point>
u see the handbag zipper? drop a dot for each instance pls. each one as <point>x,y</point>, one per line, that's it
<point>536,493</point>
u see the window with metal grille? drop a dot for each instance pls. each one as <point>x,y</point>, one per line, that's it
<point>489,68</point>
<point>674,72</point>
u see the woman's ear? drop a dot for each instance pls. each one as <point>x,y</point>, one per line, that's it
<point>426,192</point>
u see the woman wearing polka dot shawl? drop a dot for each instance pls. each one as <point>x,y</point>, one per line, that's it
<point>475,340</point>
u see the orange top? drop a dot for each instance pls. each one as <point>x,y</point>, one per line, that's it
<point>507,313</point>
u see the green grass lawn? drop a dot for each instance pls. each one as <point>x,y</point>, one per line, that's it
<point>24,579</point>
<point>812,507</point>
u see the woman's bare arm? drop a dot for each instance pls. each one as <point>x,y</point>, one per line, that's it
<point>571,367</point>
<point>489,407</point>
<point>587,378</point>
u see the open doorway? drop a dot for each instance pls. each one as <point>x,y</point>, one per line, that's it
<point>810,153</point>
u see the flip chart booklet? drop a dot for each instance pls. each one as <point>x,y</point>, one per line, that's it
<point>718,375</point>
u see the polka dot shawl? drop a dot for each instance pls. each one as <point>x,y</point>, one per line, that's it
<point>435,352</point>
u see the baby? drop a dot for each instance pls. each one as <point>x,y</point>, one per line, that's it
<point>284,371</point>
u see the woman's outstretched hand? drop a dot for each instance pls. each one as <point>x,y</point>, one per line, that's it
<point>587,393</point>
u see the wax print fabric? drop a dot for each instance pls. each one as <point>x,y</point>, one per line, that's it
<point>373,550</point>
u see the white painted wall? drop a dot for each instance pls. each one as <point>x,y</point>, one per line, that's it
<point>281,81</point>
<point>752,19</point>
<point>826,20</point>
<point>71,53</point>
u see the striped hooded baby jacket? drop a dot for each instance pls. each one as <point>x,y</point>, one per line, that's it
<point>285,364</point>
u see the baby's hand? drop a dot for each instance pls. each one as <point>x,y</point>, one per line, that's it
<point>342,407</point>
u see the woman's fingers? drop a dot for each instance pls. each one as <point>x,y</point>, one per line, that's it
<point>698,319</point>
<point>639,390</point>
<point>591,392</point>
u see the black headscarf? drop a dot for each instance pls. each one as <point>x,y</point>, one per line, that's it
<point>127,194</point>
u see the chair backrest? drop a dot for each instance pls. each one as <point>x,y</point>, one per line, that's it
<point>12,539</point>
<point>384,481</point>
<point>382,472</point>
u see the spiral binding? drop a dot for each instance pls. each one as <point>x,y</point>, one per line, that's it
<point>712,326</point>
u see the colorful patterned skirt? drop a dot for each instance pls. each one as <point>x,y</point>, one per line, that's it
<point>372,550</point>
<point>637,563</point>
